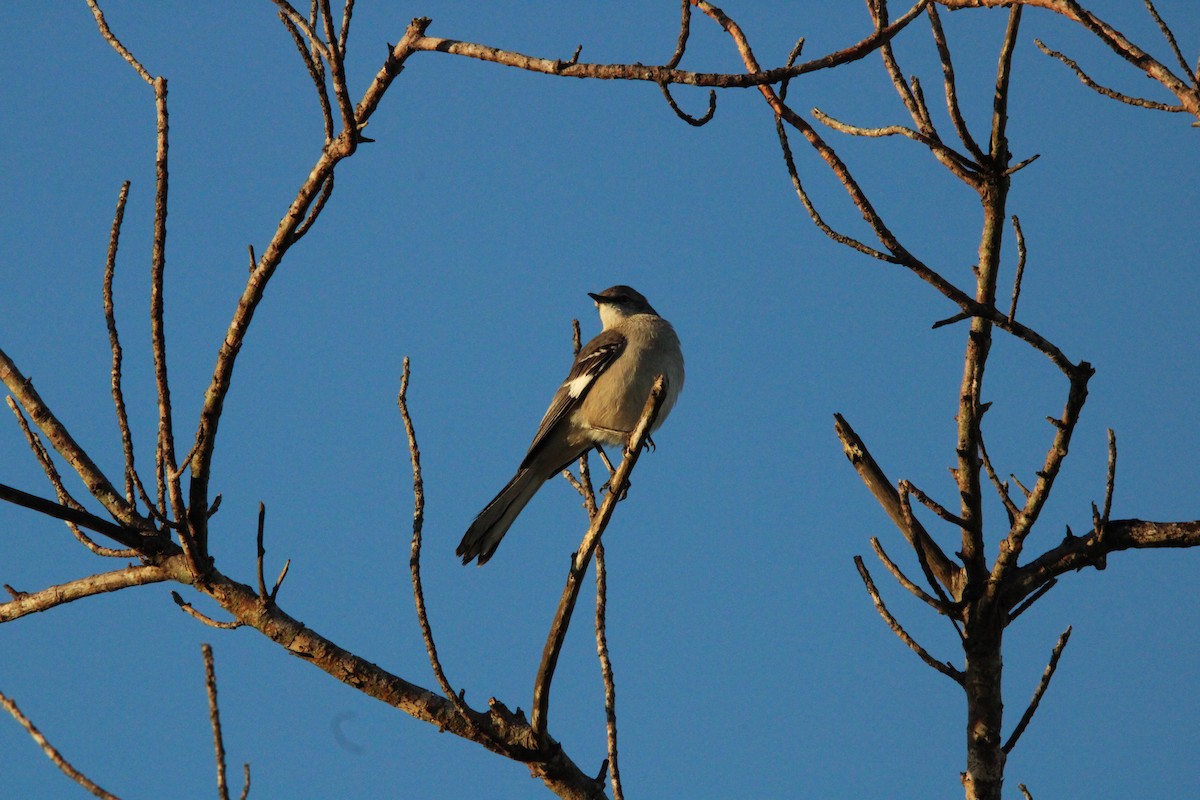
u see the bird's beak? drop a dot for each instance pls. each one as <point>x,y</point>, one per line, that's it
<point>598,298</point>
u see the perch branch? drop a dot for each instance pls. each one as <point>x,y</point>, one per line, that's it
<point>581,558</point>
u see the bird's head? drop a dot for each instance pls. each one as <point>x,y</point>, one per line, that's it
<point>618,302</point>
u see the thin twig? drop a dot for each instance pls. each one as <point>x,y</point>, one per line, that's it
<point>337,73</point>
<point>214,717</point>
<point>1043,684</point>
<point>51,753</point>
<point>815,215</point>
<point>606,672</point>
<point>907,487</point>
<point>903,580</point>
<point>315,211</point>
<point>232,624</point>
<point>946,669</point>
<point>1016,292</point>
<point>279,581</point>
<point>1010,508</point>
<point>1029,601</point>
<point>1104,90</point>
<point>909,94</point>
<point>110,319</point>
<point>1169,35</point>
<point>1010,549</point>
<point>951,89</point>
<point>316,72</point>
<point>261,551</point>
<point>956,162</point>
<point>583,484</point>
<point>111,38</point>
<point>414,560</point>
<point>695,122</point>
<point>1111,479</point>
<point>685,25</point>
<point>797,49</point>
<point>999,143</point>
<point>344,35</point>
<point>166,463</point>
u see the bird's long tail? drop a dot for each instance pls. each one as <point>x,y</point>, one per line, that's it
<point>485,533</point>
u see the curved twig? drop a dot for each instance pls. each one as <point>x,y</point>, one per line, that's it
<point>1091,83</point>
<point>686,117</point>
<point>414,559</point>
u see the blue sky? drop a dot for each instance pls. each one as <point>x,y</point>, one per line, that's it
<point>749,661</point>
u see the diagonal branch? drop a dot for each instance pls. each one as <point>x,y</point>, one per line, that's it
<point>581,558</point>
<point>1010,548</point>
<point>414,560</point>
<point>948,573</point>
<point>51,753</point>
<point>1091,83</point>
<point>1043,684</point>
<point>949,670</point>
<point>950,86</point>
<point>1188,95</point>
<point>97,484</point>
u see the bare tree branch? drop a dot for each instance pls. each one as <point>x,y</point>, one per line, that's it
<point>606,672</point>
<point>946,669</point>
<point>214,716</point>
<point>414,560</point>
<point>1077,552</point>
<point>1092,84</point>
<point>1043,684</point>
<point>25,603</point>
<point>581,558</point>
<point>51,753</point>
<point>1185,91</point>
<point>947,573</point>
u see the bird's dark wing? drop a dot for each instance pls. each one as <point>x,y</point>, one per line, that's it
<point>595,357</point>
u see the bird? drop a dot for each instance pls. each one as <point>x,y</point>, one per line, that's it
<point>599,403</point>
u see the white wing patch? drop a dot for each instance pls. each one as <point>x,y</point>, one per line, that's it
<point>577,386</point>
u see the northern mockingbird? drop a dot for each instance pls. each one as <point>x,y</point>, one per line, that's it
<point>599,403</point>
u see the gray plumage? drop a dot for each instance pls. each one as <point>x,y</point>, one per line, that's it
<point>599,403</point>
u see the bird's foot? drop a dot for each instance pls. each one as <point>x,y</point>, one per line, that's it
<point>624,490</point>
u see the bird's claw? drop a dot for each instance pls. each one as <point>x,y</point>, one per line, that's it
<point>607,487</point>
